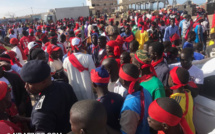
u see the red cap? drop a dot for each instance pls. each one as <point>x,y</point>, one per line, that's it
<point>51,48</point>
<point>3,89</point>
<point>39,28</point>
<point>31,30</point>
<point>14,41</point>
<point>111,20</point>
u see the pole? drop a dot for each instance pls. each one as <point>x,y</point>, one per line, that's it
<point>32,10</point>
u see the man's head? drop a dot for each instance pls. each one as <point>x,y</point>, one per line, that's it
<point>12,32</point>
<point>142,56</point>
<point>54,52</point>
<point>37,54</point>
<point>198,47</point>
<point>62,38</point>
<point>31,32</point>
<point>53,40</point>
<point>127,29</point>
<point>110,65</point>
<point>75,44</point>
<point>132,71</point>
<point>134,45</point>
<point>14,41</point>
<point>94,39</point>
<point>154,25</point>
<point>191,36</point>
<point>88,117</point>
<point>36,75</point>
<point>110,47</point>
<point>182,74</point>
<point>25,33</point>
<point>172,21</point>
<point>100,78</point>
<point>5,98</point>
<point>164,113</point>
<point>156,50</point>
<point>186,58</point>
<point>102,41</point>
<point>125,58</point>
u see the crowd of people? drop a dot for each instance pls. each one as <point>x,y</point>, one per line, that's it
<point>90,76</point>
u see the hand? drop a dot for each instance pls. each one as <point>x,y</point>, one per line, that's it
<point>5,64</point>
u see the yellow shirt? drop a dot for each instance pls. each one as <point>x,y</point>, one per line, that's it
<point>181,99</point>
<point>141,38</point>
<point>212,30</point>
<point>211,42</point>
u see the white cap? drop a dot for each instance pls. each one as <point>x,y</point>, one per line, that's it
<point>31,45</point>
<point>76,41</point>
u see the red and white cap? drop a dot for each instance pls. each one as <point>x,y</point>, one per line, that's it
<point>75,43</point>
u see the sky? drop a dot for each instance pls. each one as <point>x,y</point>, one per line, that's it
<point>26,7</point>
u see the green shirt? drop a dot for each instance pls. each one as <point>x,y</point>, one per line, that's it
<point>155,87</point>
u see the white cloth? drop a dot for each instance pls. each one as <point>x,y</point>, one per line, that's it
<point>208,68</point>
<point>80,81</point>
<point>111,86</point>
<point>20,30</point>
<point>196,74</point>
<point>55,65</point>
<point>18,55</point>
<point>16,68</point>
<point>12,36</point>
<point>119,89</point>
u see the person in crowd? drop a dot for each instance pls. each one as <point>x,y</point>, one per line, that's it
<point>31,36</point>
<point>102,48</point>
<point>6,124</point>
<point>51,112</point>
<point>141,35</point>
<point>12,34</point>
<point>148,79</point>
<point>88,116</point>
<point>185,27</point>
<point>134,46</point>
<point>178,80</point>
<point>190,40</point>
<point>77,67</point>
<point>166,116</point>
<point>37,54</point>
<point>125,38</point>
<point>134,111</point>
<point>113,51</point>
<point>210,50</point>
<point>94,49</point>
<point>20,55</point>
<point>111,101</point>
<point>198,30</point>
<point>196,74</point>
<point>198,49</point>
<point>173,56</point>
<point>24,42</point>
<point>170,30</point>
<point>156,50</point>
<point>111,66</point>
<point>125,58</point>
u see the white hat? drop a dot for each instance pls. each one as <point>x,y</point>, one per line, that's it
<point>31,45</point>
<point>76,42</point>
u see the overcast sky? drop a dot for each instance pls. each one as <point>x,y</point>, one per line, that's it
<point>23,7</point>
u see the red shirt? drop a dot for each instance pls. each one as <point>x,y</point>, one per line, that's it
<point>24,42</point>
<point>32,38</point>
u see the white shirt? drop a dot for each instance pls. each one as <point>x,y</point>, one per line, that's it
<point>80,81</point>
<point>196,74</point>
<point>119,89</point>
<point>20,30</point>
<point>18,55</point>
<point>12,36</point>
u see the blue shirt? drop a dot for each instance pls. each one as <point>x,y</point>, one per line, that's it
<point>198,56</point>
<point>169,31</point>
<point>132,102</point>
<point>181,26</point>
<point>187,45</point>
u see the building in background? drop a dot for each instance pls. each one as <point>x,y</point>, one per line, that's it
<point>102,6</point>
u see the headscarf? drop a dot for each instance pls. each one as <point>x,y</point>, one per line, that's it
<point>51,48</point>
<point>157,113</point>
<point>100,76</point>
<point>115,46</point>
<point>142,57</point>
<point>177,82</point>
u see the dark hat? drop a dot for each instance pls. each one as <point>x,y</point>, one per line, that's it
<point>35,71</point>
